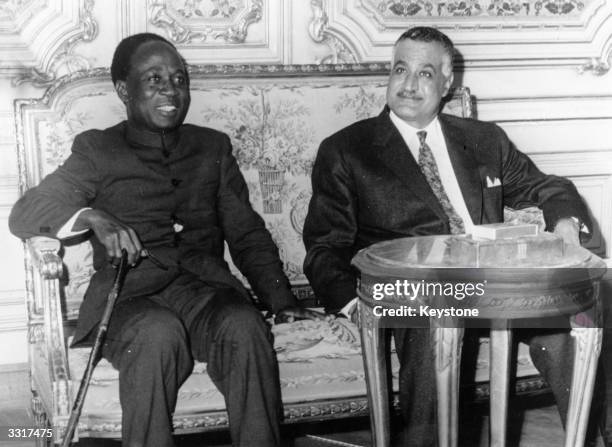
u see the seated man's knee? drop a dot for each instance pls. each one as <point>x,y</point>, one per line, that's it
<point>240,320</point>
<point>159,329</point>
<point>150,337</point>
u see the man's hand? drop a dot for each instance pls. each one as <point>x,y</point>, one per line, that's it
<point>569,230</point>
<point>112,233</point>
<point>292,313</point>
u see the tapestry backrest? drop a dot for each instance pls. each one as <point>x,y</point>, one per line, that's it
<point>276,117</point>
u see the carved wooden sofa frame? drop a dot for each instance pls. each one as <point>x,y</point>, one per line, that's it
<point>293,108</point>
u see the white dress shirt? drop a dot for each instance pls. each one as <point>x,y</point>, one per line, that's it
<point>66,230</point>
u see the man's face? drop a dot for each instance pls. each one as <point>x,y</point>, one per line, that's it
<point>156,91</point>
<point>420,77</point>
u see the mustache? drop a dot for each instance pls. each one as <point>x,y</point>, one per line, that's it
<point>408,94</point>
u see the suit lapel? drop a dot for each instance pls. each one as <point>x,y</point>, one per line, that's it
<point>465,166</point>
<point>394,152</point>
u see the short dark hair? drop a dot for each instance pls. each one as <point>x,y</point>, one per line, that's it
<point>122,59</point>
<point>428,34</point>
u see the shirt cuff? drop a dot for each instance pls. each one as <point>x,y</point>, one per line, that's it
<point>66,230</point>
<point>348,308</point>
<point>581,226</point>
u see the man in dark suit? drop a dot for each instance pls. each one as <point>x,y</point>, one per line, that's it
<point>169,194</point>
<point>409,172</point>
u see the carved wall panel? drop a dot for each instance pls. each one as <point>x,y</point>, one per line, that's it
<point>219,31</point>
<point>488,33</point>
<point>15,14</point>
<point>38,38</point>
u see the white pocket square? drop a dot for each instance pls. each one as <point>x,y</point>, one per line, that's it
<point>492,183</point>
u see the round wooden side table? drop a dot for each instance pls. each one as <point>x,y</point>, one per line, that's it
<point>532,292</point>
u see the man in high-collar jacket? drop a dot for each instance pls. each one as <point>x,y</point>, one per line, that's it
<point>370,184</point>
<point>170,194</point>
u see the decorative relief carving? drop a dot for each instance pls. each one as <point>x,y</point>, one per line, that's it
<point>210,8</point>
<point>318,29</point>
<point>473,8</point>
<point>566,30</point>
<point>598,67</point>
<point>15,13</point>
<point>187,21</point>
<point>36,334</point>
<point>366,319</point>
<point>65,60</point>
<point>477,14</point>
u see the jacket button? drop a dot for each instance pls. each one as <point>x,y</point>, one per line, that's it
<point>175,182</point>
<point>166,153</point>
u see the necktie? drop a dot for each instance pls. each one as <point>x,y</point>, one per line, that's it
<point>428,166</point>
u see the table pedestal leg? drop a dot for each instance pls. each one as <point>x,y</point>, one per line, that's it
<point>500,349</point>
<point>447,353</point>
<point>587,348</point>
<point>373,348</point>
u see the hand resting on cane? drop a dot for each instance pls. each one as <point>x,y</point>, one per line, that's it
<point>113,234</point>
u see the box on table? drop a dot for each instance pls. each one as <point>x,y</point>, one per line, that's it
<point>504,230</point>
<point>519,251</point>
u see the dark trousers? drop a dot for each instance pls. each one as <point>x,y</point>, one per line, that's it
<point>551,352</point>
<point>153,340</point>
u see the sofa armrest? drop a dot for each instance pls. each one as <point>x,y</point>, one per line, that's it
<point>44,253</point>
<point>48,359</point>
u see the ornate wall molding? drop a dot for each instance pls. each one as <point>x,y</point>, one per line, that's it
<point>552,32</point>
<point>38,45</point>
<point>187,21</point>
<point>388,11</point>
<point>599,66</point>
<point>320,33</point>
<point>15,14</point>
<point>219,31</point>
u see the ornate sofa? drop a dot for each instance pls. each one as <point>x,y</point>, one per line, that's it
<point>276,117</point>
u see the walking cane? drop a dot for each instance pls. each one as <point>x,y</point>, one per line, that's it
<point>96,350</point>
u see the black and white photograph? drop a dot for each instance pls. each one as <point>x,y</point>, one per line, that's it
<point>306,223</point>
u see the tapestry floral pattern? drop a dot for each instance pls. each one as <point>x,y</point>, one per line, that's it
<point>57,132</point>
<point>270,136</point>
<point>458,8</point>
<point>62,132</point>
<point>364,103</point>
